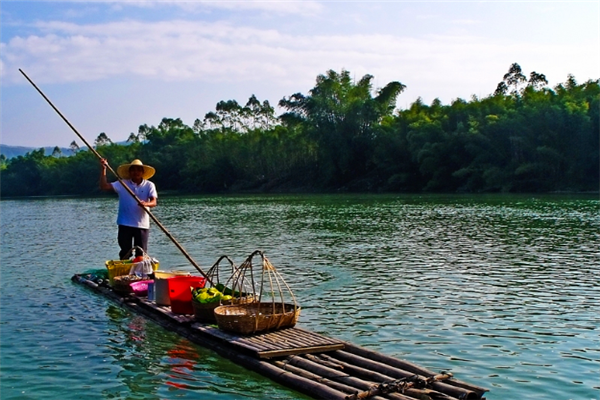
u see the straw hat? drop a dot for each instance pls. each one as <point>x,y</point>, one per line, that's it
<point>123,170</point>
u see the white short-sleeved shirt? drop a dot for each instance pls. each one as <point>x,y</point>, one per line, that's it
<point>130,213</point>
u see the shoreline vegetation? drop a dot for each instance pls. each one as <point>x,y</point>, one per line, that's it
<point>343,136</point>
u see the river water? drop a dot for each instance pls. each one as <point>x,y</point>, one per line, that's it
<point>502,291</point>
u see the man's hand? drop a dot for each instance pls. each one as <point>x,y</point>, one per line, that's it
<point>149,204</point>
<point>104,185</point>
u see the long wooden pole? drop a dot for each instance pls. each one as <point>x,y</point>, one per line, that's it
<point>156,221</point>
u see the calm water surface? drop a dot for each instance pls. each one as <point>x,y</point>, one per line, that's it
<point>502,291</point>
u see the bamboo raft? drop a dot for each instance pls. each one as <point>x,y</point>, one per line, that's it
<point>316,365</point>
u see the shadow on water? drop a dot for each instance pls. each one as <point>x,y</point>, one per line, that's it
<point>155,364</point>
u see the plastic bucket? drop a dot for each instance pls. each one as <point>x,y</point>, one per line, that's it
<point>161,286</point>
<point>117,268</point>
<point>180,293</point>
<point>140,288</point>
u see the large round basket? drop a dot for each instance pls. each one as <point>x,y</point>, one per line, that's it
<point>205,312</point>
<point>247,319</point>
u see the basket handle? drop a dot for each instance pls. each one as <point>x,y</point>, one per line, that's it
<point>276,281</point>
<point>239,281</point>
<point>270,278</point>
<point>213,272</point>
<point>130,252</point>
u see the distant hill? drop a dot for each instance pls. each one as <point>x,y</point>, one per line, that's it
<point>15,151</point>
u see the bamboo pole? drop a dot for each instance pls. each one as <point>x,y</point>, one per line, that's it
<point>156,221</point>
<point>315,377</point>
<point>329,373</point>
<point>355,384</point>
<point>351,361</point>
<point>408,366</point>
<point>387,385</point>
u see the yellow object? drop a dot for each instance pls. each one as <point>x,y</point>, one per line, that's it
<point>120,268</point>
<point>169,274</point>
<point>117,268</point>
<point>202,297</point>
<point>123,170</point>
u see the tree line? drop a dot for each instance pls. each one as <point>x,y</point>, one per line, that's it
<point>345,136</point>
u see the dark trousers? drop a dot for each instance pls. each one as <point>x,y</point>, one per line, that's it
<point>128,237</point>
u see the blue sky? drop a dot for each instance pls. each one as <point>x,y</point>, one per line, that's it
<point>111,66</point>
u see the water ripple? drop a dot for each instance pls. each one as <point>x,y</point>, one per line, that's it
<point>501,290</point>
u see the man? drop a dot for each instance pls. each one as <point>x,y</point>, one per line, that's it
<point>132,219</point>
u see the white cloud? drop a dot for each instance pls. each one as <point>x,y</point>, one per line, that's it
<point>112,76</point>
<point>279,7</point>
<point>466,22</point>
<point>217,51</point>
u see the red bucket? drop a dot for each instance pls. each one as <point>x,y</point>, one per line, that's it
<point>180,293</point>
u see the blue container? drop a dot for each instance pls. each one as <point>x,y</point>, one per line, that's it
<point>151,291</point>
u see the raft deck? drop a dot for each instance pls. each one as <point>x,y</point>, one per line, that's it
<point>284,342</point>
<point>314,364</point>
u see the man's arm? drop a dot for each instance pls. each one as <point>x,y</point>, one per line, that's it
<point>152,196</point>
<point>104,185</point>
<point>150,203</point>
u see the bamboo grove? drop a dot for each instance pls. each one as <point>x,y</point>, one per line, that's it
<point>345,136</point>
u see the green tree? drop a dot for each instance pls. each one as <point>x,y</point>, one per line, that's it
<point>166,149</point>
<point>74,147</point>
<point>23,175</point>
<point>341,115</point>
<point>102,140</point>
<point>537,81</point>
<point>133,138</point>
<point>514,78</point>
<point>342,136</point>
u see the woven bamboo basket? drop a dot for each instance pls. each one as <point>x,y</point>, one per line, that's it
<point>122,284</point>
<point>205,312</point>
<point>276,307</point>
<point>247,319</point>
<point>235,285</point>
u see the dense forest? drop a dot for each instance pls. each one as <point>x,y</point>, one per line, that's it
<point>345,136</point>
